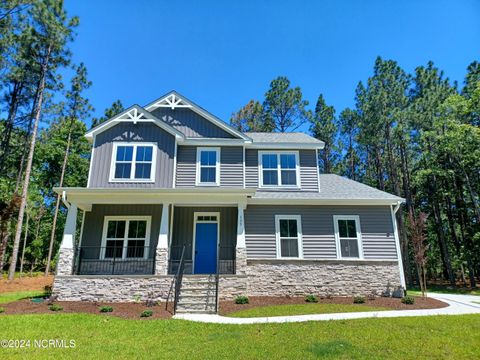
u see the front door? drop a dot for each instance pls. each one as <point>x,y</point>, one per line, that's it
<point>206,240</point>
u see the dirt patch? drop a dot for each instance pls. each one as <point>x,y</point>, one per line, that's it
<point>227,307</point>
<point>122,310</point>
<point>26,283</point>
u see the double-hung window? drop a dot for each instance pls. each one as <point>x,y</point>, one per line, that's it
<point>279,169</point>
<point>133,162</point>
<point>348,236</point>
<point>126,238</point>
<point>288,230</point>
<point>208,166</point>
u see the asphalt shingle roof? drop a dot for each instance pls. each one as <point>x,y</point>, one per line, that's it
<point>333,187</point>
<point>293,137</point>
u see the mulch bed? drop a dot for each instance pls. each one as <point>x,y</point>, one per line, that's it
<point>122,310</point>
<point>227,307</point>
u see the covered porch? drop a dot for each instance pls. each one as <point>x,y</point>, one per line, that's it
<point>151,231</point>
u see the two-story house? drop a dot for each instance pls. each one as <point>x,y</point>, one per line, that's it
<point>176,195</point>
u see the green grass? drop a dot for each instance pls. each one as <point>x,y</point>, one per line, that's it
<point>445,290</point>
<point>24,274</point>
<point>303,309</point>
<point>14,296</point>
<point>436,337</point>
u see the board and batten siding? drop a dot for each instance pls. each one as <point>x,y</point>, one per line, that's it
<point>190,123</point>
<point>231,166</point>
<point>131,133</point>
<point>94,220</point>
<point>308,170</point>
<point>318,230</point>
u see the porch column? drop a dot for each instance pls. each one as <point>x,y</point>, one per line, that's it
<point>66,255</point>
<point>241,249</point>
<point>161,252</point>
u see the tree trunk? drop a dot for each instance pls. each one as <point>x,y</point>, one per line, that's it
<point>7,131</point>
<point>28,169</point>
<point>24,246</point>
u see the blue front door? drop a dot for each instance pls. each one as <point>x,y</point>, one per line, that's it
<point>205,248</point>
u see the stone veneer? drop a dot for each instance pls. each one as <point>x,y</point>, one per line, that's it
<point>65,261</point>
<point>161,261</point>
<point>111,288</point>
<point>335,277</point>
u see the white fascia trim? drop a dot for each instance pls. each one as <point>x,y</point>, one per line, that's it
<point>149,118</point>
<point>194,107</point>
<point>279,170</point>
<point>91,163</point>
<point>333,201</point>
<point>397,244</point>
<point>337,236</point>
<point>217,167</point>
<point>135,145</point>
<point>297,146</point>
<point>298,218</point>
<point>212,142</point>
<point>318,170</point>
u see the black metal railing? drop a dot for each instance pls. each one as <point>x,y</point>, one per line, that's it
<point>225,261</point>
<point>177,282</point>
<point>113,260</point>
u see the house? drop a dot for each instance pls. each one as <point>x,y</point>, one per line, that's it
<point>180,205</point>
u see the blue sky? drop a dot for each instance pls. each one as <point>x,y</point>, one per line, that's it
<point>221,54</point>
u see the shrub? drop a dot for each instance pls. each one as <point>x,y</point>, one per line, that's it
<point>146,313</point>
<point>241,300</point>
<point>48,290</point>
<point>311,298</point>
<point>408,300</point>
<point>2,310</point>
<point>359,300</point>
<point>55,307</point>
<point>137,298</point>
<point>106,309</point>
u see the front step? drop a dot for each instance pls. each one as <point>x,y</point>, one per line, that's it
<point>197,294</point>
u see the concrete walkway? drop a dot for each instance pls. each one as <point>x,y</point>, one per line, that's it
<point>458,304</point>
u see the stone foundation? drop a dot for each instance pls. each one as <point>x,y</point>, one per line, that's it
<point>337,278</point>
<point>111,288</point>
<point>231,286</point>
<point>161,261</point>
<point>65,261</point>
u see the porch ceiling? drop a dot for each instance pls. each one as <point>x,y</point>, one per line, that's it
<point>86,197</point>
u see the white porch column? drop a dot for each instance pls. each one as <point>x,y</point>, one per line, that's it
<point>241,249</point>
<point>66,255</point>
<point>161,252</point>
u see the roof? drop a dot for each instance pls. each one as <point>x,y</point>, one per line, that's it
<point>335,188</point>
<point>276,137</point>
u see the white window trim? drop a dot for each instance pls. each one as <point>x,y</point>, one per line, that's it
<point>298,218</point>
<point>279,169</point>
<point>359,236</point>
<point>194,242</point>
<point>217,167</point>
<point>127,219</point>
<point>132,171</point>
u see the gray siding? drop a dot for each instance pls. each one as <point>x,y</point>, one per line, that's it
<point>183,226</point>
<point>94,220</point>
<point>190,123</point>
<point>308,170</point>
<point>128,132</point>
<point>231,166</point>
<point>318,230</point>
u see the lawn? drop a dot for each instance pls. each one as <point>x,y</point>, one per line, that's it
<point>18,295</point>
<point>445,290</point>
<point>439,337</point>
<point>303,309</point>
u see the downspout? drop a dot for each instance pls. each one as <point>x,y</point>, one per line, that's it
<point>394,211</point>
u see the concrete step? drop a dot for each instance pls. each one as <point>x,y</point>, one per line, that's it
<point>180,311</point>
<point>195,306</point>
<point>197,297</point>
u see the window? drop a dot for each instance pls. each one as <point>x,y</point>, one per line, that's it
<point>279,169</point>
<point>126,238</point>
<point>348,237</point>
<point>208,166</point>
<point>133,162</point>
<point>289,236</point>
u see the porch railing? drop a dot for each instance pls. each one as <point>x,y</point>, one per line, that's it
<point>113,260</point>
<point>177,282</point>
<point>226,263</point>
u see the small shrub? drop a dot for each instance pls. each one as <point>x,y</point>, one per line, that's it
<point>48,290</point>
<point>55,307</point>
<point>146,313</point>
<point>372,295</point>
<point>150,301</point>
<point>359,300</point>
<point>106,309</point>
<point>241,300</point>
<point>2,310</point>
<point>408,300</point>
<point>137,298</point>
<point>311,298</point>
